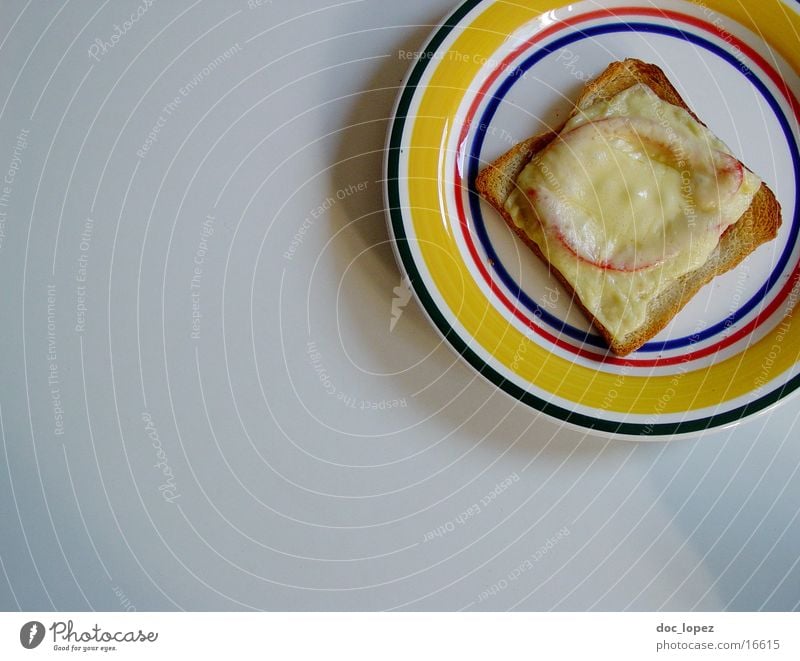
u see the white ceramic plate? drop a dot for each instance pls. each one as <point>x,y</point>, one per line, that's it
<point>496,73</point>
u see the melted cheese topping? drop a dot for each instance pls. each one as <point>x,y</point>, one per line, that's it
<point>632,195</point>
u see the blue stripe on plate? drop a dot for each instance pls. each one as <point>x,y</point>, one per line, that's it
<point>474,199</point>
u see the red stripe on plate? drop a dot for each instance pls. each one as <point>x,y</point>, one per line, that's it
<point>779,82</point>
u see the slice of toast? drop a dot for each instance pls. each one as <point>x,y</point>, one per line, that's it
<point>757,225</point>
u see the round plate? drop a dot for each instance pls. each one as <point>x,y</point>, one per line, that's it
<point>495,73</point>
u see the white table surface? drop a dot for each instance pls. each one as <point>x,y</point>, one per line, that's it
<point>286,449</point>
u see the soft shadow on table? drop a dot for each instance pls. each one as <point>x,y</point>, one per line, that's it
<point>459,392</point>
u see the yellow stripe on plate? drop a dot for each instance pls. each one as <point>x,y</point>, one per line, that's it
<point>681,392</point>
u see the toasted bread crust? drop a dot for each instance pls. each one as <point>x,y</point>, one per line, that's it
<point>759,224</point>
